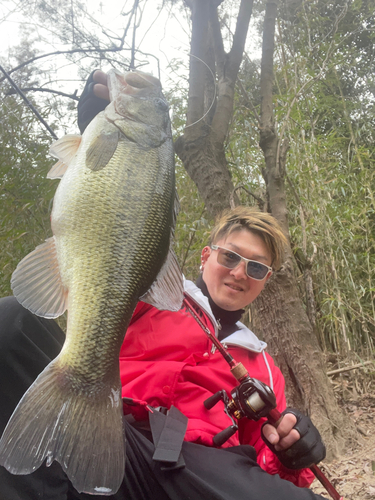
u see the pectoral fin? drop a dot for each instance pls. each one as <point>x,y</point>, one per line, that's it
<point>36,282</point>
<point>101,150</point>
<point>64,149</point>
<point>167,291</point>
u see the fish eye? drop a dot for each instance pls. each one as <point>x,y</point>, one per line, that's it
<point>161,104</point>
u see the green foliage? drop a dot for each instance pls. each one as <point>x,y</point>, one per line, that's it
<point>193,227</point>
<point>26,194</point>
<point>324,105</point>
<point>331,160</point>
<point>244,156</point>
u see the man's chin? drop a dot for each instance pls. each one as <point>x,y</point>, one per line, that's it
<point>227,306</point>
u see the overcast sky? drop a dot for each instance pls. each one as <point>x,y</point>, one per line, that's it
<point>165,34</point>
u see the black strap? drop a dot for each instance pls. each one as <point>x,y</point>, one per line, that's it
<point>168,432</point>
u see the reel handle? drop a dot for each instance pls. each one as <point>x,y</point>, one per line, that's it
<point>214,399</point>
<point>224,435</point>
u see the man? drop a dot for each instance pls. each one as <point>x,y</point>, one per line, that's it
<point>168,369</point>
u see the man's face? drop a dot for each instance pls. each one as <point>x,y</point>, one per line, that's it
<point>232,289</point>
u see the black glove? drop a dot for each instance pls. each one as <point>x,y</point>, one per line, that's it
<point>89,105</point>
<point>306,451</point>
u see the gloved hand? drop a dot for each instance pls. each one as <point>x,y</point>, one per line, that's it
<point>92,101</point>
<point>307,450</point>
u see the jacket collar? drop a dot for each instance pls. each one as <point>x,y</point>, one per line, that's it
<point>243,337</point>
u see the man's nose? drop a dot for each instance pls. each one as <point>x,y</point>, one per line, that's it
<point>239,272</point>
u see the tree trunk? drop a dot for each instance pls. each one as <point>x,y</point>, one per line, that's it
<point>201,147</point>
<point>280,315</point>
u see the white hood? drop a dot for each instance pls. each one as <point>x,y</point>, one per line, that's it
<point>243,337</point>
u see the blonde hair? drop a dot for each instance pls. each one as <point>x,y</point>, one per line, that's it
<point>261,223</point>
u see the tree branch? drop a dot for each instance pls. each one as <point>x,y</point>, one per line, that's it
<point>266,78</point>
<point>36,89</point>
<point>197,68</point>
<point>28,103</point>
<point>226,84</point>
<point>239,38</point>
<point>217,42</point>
<point>60,52</point>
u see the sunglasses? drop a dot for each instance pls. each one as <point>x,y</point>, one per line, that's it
<point>254,269</point>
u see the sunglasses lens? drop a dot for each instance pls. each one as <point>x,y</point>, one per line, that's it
<point>257,270</point>
<point>228,259</point>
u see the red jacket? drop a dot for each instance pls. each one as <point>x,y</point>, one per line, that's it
<point>167,359</point>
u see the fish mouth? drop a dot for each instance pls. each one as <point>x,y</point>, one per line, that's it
<point>140,80</point>
<point>134,83</point>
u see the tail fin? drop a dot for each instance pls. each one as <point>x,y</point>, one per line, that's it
<point>83,431</point>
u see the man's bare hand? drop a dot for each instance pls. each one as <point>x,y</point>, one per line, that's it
<point>100,88</point>
<point>284,436</point>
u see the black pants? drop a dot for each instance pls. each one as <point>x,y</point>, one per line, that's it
<point>27,345</point>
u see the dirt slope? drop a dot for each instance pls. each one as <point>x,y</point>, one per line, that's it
<point>353,474</point>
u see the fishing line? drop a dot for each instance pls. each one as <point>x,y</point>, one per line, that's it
<point>214,98</point>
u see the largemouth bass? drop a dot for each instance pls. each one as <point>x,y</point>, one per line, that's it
<point>112,221</point>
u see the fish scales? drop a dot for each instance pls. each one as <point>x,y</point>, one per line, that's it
<point>99,252</point>
<point>113,219</point>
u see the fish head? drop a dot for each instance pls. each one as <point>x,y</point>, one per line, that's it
<point>138,107</point>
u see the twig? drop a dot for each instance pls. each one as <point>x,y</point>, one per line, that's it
<point>349,368</point>
<point>261,202</point>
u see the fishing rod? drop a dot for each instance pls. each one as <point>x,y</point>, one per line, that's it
<point>28,103</point>
<point>251,399</point>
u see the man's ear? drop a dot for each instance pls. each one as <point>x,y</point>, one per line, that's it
<point>206,252</point>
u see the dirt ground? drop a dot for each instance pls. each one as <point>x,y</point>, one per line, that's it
<point>353,474</point>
